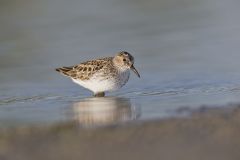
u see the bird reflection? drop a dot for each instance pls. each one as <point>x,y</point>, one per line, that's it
<point>104,111</point>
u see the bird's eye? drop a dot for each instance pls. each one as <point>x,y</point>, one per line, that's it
<point>124,59</point>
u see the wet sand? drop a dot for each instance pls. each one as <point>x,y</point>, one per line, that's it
<point>209,134</point>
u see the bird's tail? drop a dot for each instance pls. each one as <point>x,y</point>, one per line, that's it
<point>64,70</point>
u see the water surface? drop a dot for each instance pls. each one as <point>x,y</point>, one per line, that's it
<point>186,51</point>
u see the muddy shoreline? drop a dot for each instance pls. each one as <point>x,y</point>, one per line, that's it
<point>206,134</point>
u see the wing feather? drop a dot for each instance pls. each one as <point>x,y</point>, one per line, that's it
<point>85,70</point>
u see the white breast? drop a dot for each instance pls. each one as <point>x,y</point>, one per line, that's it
<point>98,84</point>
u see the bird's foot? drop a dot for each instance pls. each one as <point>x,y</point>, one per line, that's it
<point>99,94</point>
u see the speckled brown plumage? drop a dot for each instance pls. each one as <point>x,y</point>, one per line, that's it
<point>86,70</point>
<point>101,75</point>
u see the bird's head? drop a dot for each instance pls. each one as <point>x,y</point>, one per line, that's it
<point>124,61</point>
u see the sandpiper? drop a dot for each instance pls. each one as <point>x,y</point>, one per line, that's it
<point>104,74</point>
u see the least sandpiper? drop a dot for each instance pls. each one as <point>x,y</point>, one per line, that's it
<point>104,74</point>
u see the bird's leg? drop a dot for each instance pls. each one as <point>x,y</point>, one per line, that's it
<point>99,94</point>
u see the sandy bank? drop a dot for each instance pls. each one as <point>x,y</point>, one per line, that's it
<point>209,134</point>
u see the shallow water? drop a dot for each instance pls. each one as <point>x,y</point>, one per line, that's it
<point>186,51</point>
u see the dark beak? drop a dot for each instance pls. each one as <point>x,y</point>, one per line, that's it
<point>135,71</point>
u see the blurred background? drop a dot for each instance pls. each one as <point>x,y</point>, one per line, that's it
<point>187,52</point>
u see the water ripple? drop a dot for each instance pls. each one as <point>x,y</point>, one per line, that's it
<point>189,91</point>
<point>161,93</point>
<point>13,100</point>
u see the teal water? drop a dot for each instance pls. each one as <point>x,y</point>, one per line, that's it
<point>186,51</point>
